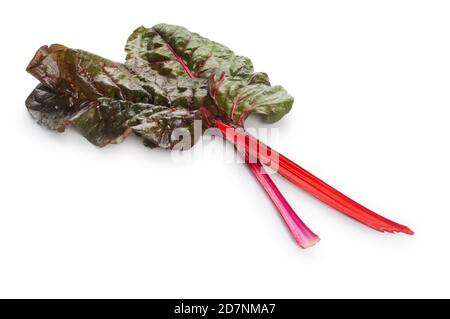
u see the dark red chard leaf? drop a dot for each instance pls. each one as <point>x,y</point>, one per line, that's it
<point>85,76</point>
<point>106,121</point>
<point>107,101</point>
<point>51,109</point>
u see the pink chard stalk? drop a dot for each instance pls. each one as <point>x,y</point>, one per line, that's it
<point>301,233</point>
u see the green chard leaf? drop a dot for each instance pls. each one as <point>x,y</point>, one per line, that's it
<point>234,88</point>
<point>171,77</point>
<point>175,52</point>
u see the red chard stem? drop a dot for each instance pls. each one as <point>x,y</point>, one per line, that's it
<point>301,233</point>
<point>304,237</point>
<point>310,183</point>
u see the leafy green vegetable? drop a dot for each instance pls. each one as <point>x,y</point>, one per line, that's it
<point>174,52</point>
<point>107,101</point>
<point>106,120</point>
<point>235,90</point>
<point>171,77</point>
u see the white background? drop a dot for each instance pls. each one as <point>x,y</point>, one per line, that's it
<point>371,81</point>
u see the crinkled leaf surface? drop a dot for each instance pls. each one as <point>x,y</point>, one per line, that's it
<point>107,101</point>
<point>104,121</point>
<point>170,78</point>
<point>174,52</point>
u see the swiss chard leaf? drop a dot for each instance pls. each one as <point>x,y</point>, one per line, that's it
<point>238,98</point>
<point>107,101</point>
<point>173,51</point>
<point>104,121</point>
<point>171,77</point>
<point>51,109</point>
<point>235,90</point>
